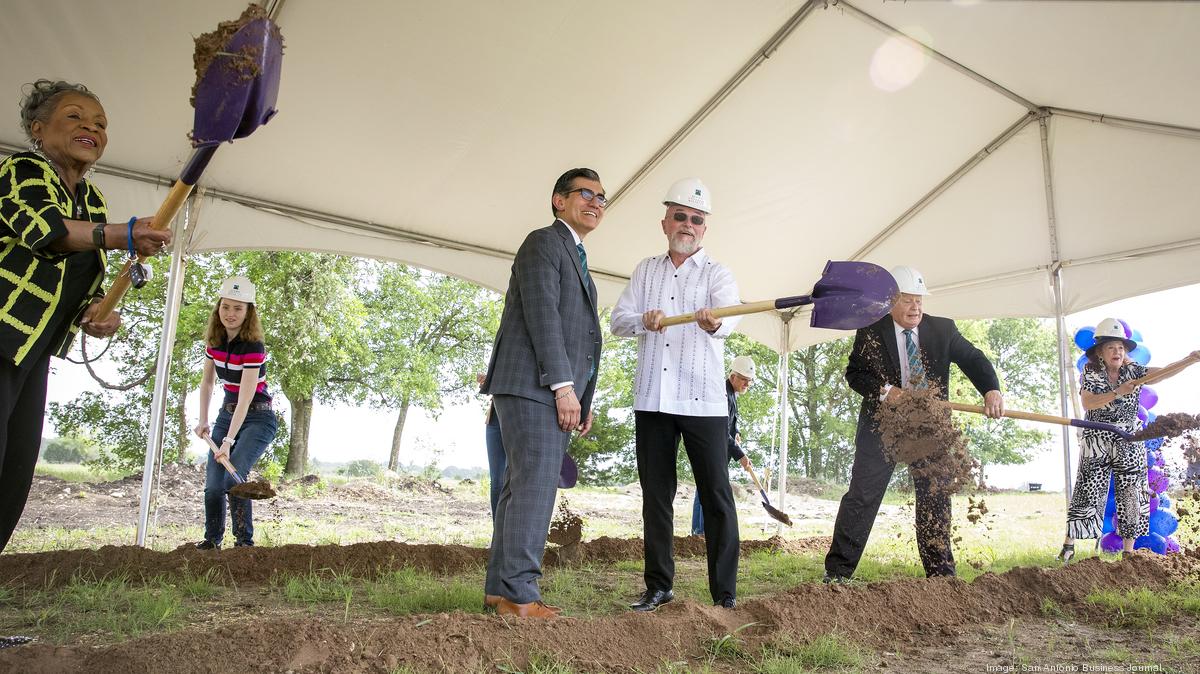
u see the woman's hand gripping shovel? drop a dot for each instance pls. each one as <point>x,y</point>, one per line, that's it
<point>234,95</point>
<point>252,490</point>
<point>848,296</point>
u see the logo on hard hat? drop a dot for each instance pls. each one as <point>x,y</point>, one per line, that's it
<point>698,192</point>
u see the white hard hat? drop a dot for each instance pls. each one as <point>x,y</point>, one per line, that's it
<point>1110,329</point>
<point>689,192</point>
<point>238,288</point>
<point>910,281</point>
<point>743,365</point>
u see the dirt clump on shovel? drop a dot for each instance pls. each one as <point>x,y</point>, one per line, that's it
<point>257,489</point>
<point>210,45</point>
<point>1170,425</point>
<point>917,430</point>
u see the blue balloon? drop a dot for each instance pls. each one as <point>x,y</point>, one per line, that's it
<point>1151,541</point>
<point>1140,355</point>
<point>1136,336</point>
<point>1154,443</point>
<point>1163,523</point>
<point>1081,362</point>
<point>1085,337</point>
<point>1163,501</point>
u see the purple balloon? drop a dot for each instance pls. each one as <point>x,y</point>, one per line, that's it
<point>1128,332</point>
<point>1085,337</point>
<point>1148,397</point>
<point>1172,545</point>
<point>1111,542</point>
<point>1158,481</point>
<point>1153,503</point>
<point>1141,413</point>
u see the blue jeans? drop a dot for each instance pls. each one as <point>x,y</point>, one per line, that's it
<point>697,516</point>
<point>258,430</point>
<point>497,462</point>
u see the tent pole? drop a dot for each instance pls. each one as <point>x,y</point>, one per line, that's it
<point>1130,123</point>
<point>1056,281</point>
<point>785,335</point>
<point>1064,366</point>
<point>162,371</point>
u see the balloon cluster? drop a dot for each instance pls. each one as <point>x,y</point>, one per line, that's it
<point>1162,522</point>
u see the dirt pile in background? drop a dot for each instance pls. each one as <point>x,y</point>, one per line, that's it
<point>259,564</point>
<point>928,611</point>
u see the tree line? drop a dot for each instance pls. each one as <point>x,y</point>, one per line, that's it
<point>392,337</point>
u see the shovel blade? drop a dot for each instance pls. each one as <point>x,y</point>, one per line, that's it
<point>568,474</point>
<point>237,92</point>
<point>851,295</point>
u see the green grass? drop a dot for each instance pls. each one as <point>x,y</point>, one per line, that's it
<point>1142,608</point>
<point>829,652</point>
<point>76,472</point>
<point>410,591</point>
<point>111,606</point>
<point>316,587</point>
<point>539,663</point>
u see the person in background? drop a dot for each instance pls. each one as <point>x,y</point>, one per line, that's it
<point>235,354</point>
<point>741,376</point>
<point>54,232</point>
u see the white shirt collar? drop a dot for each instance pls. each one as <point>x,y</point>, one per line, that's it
<point>570,229</point>
<point>900,332</point>
<point>697,258</point>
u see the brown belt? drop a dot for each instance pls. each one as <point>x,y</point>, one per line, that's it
<point>254,407</point>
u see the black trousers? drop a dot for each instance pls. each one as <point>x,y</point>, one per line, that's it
<point>705,440</point>
<point>869,479</point>
<point>22,410</point>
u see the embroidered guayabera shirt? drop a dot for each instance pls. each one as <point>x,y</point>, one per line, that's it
<point>42,293</point>
<point>682,370</point>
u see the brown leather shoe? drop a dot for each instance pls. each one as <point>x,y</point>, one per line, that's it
<point>531,610</point>
<point>491,601</point>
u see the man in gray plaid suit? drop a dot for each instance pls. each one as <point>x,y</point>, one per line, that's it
<point>541,376</point>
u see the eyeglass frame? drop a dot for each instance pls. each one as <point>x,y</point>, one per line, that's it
<point>601,200</point>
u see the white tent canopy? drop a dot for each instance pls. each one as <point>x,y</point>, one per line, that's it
<point>995,146</point>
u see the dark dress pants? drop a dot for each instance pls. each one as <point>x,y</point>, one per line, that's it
<point>705,440</point>
<point>869,478</point>
<point>22,410</point>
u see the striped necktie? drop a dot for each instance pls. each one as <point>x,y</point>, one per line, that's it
<point>916,369</point>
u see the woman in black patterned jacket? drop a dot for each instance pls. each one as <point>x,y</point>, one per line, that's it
<point>53,234</point>
<point>1110,396</point>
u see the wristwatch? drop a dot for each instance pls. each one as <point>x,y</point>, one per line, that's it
<point>98,236</point>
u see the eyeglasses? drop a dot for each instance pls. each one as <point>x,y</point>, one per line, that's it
<point>680,216</point>
<point>589,195</point>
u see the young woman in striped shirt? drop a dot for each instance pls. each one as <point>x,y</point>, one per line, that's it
<point>246,424</point>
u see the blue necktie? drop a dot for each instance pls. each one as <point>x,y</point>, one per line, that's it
<point>916,369</point>
<point>587,280</point>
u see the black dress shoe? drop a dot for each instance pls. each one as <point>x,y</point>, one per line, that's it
<point>652,599</point>
<point>834,579</point>
<point>208,545</point>
<point>726,602</point>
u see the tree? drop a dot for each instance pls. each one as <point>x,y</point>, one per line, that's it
<point>117,419</point>
<point>427,338</point>
<point>1024,353</point>
<point>606,454</point>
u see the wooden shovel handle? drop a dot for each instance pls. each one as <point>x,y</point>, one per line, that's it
<point>223,460</point>
<point>1014,414</point>
<point>755,478</point>
<point>722,312</point>
<point>1167,371</point>
<point>162,220</point>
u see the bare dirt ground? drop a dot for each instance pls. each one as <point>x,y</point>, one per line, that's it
<point>998,622</point>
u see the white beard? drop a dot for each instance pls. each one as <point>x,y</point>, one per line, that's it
<point>682,246</point>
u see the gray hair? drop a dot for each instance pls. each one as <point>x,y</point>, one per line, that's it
<point>41,98</point>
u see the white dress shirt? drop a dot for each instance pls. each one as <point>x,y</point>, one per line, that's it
<point>681,370</point>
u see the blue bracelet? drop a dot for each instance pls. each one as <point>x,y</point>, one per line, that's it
<point>129,236</point>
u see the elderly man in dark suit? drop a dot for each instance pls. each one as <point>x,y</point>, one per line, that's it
<point>542,375</point>
<point>917,350</point>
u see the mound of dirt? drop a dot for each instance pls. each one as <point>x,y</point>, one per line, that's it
<point>260,564</point>
<point>929,611</point>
